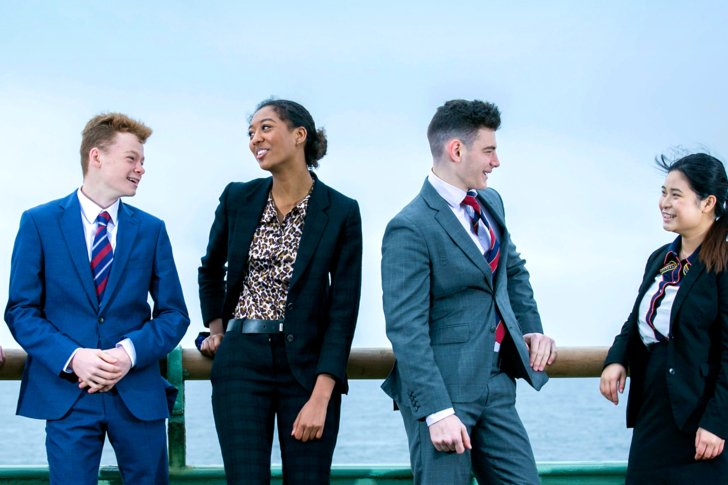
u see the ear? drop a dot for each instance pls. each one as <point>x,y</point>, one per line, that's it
<point>300,134</point>
<point>453,149</point>
<point>708,204</point>
<point>93,157</point>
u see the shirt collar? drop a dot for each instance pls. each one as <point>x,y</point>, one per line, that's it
<point>90,210</point>
<point>453,195</point>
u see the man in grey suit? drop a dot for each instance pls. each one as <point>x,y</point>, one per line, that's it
<point>460,313</point>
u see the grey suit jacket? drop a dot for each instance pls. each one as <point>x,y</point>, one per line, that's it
<point>439,296</point>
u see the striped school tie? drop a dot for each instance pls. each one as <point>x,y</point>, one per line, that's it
<point>101,254</point>
<point>492,254</point>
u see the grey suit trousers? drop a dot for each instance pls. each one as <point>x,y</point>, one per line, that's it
<point>501,450</point>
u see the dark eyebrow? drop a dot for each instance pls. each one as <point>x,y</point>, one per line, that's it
<point>261,121</point>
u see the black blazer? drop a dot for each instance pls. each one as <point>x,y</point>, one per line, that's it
<point>697,359</point>
<point>323,295</point>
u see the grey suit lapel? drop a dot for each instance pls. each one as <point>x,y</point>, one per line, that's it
<point>73,235</point>
<point>447,220</point>
<point>126,234</point>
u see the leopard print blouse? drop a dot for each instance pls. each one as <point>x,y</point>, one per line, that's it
<point>270,262</point>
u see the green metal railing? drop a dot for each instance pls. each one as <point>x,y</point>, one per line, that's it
<point>188,364</point>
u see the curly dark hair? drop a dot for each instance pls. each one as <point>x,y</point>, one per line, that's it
<point>459,118</point>
<point>297,116</point>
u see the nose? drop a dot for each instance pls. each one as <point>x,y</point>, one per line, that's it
<point>139,168</point>
<point>255,138</point>
<point>495,162</point>
<point>663,202</point>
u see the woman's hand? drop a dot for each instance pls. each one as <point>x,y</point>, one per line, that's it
<point>707,445</point>
<point>611,384</point>
<point>210,345</point>
<point>309,424</point>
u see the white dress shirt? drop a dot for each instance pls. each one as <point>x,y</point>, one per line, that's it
<point>89,212</point>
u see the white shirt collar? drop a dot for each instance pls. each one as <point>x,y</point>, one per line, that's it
<point>453,195</point>
<point>90,210</point>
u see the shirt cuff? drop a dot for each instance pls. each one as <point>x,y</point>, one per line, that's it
<point>67,368</point>
<point>438,416</point>
<point>128,347</point>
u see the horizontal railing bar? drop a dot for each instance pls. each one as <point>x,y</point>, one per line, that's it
<point>364,363</point>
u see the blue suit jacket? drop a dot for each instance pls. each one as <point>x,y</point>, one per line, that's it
<point>53,309</point>
<point>438,306</point>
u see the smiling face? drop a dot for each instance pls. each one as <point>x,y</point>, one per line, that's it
<point>477,160</point>
<point>273,143</point>
<point>115,170</point>
<point>682,210</point>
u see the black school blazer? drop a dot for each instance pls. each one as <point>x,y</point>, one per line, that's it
<point>323,295</point>
<point>697,359</point>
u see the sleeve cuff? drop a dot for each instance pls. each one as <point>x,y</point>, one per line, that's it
<point>438,416</point>
<point>128,347</point>
<point>67,368</point>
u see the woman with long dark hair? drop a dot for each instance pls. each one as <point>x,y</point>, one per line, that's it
<point>279,290</point>
<point>675,342</point>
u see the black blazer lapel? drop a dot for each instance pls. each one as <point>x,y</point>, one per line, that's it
<point>73,234</point>
<point>316,220</point>
<point>649,278</point>
<point>696,271</point>
<point>126,234</point>
<point>250,207</point>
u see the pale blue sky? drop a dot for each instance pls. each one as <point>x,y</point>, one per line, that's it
<point>590,93</point>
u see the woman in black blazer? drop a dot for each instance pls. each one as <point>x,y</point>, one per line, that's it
<point>675,342</point>
<point>279,290</point>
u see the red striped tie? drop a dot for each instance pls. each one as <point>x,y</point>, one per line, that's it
<point>492,254</point>
<point>101,255</point>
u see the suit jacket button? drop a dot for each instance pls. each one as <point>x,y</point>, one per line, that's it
<point>289,337</point>
<point>492,328</point>
<point>671,371</point>
<point>101,319</point>
<point>289,306</point>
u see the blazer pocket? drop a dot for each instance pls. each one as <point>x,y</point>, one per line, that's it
<point>450,334</point>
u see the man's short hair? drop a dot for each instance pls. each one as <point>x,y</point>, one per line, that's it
<point>459,118</point>
<point>101,129</point>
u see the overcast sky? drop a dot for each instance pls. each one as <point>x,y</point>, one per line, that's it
<point>589,92</point>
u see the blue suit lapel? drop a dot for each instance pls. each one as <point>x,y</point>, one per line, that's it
<point>126,234</point>
<point>73,235</point>
<point>447,220</point>
<point>313,228</point>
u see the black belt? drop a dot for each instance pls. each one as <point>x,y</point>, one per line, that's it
<point>250,325</point>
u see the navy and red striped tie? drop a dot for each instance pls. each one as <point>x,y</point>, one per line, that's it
<point>101,254</point>
<point>492,254</point>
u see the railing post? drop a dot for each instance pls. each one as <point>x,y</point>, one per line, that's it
<point>176,432</point>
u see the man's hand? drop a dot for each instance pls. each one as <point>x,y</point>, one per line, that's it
<point>707,445</point>
<point>449,434</point>
<point>612,382</point>
<point>309,424</point>
<point>95,369</point>
<point>542,350</point>
<point>2,356</point>
<point>122,362</point>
